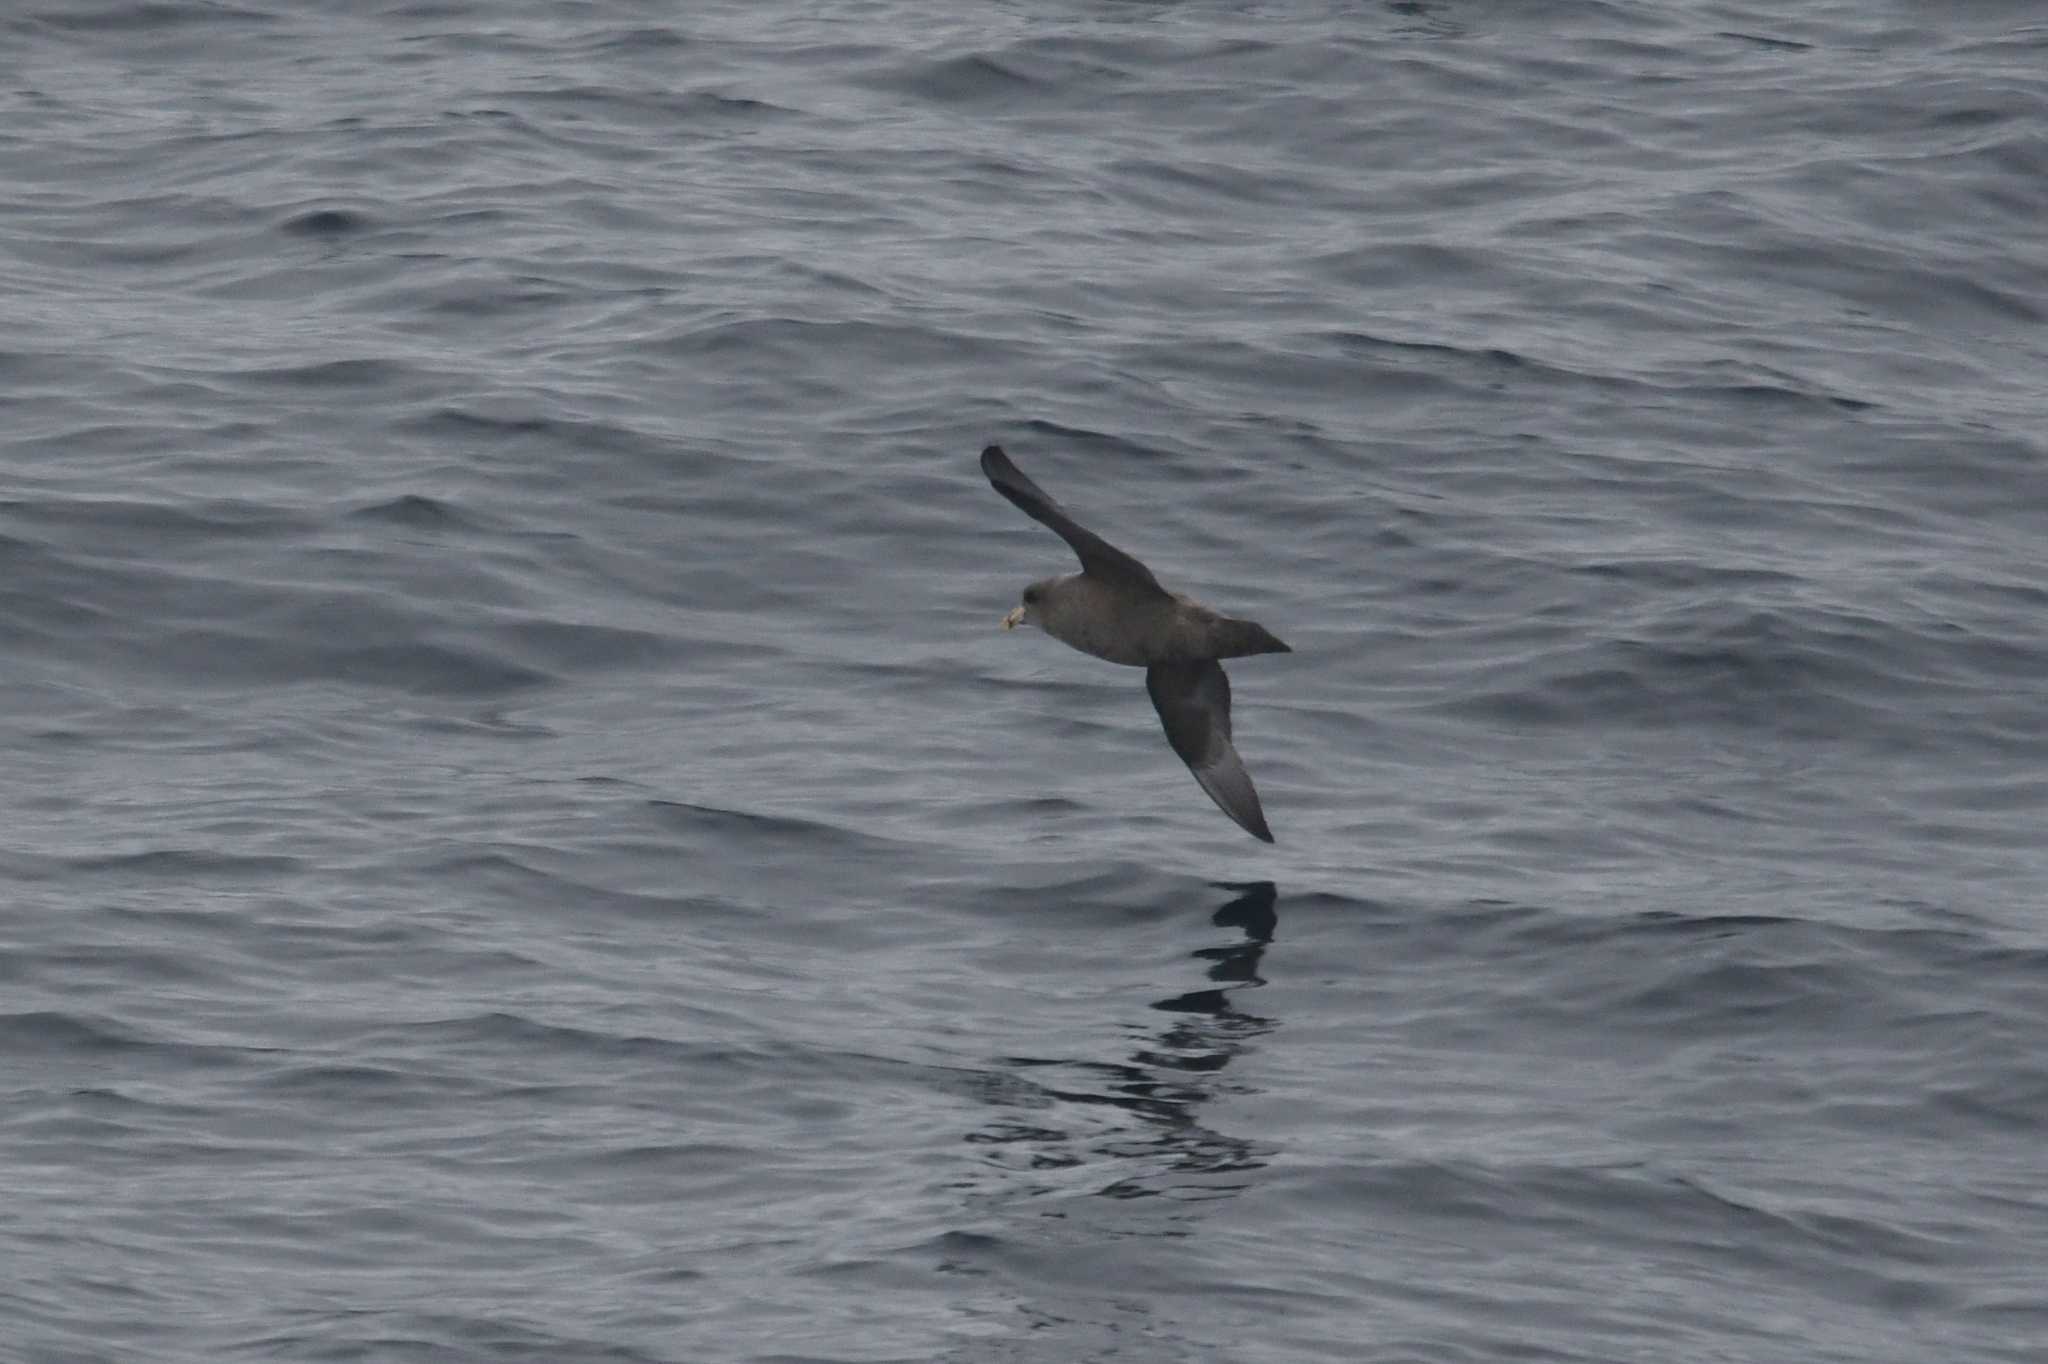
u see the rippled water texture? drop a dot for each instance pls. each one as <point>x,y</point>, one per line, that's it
<point>524,838</point>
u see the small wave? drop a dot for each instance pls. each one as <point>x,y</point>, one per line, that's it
<point>415,511</point>
<point>208,863</point>
<point>47,1030</point>
<point>327,224</point>
<point>365,374</point>
<point>1804,668</point>
<point>969,80</point>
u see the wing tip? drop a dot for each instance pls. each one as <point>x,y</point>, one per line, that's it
<point>1245,815</point>
<point>1241,803</point>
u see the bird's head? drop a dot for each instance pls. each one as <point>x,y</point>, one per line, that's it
<point>1027,611</point>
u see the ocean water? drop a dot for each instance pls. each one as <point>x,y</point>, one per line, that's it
<point>524,838</point>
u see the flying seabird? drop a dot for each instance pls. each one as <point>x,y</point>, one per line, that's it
<point>1116,610</point>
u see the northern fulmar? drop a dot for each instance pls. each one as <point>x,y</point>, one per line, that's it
<point>1116,610</point>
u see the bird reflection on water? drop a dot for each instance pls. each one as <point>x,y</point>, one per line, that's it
<point>1162,1084</point>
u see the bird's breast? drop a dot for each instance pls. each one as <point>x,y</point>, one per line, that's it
<point>1117,627</point>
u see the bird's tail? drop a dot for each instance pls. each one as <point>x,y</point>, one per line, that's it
<point>1241,638</point>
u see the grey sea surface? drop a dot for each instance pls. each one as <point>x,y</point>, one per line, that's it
<point>522,838</point>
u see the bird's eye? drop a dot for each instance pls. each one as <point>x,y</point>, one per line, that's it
<point>1031,596</point>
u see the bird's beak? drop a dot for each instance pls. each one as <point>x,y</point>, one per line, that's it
<point>1014,619</point>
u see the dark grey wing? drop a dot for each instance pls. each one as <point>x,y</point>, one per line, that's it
<point>1193,701</point>
<point>1098,556</point>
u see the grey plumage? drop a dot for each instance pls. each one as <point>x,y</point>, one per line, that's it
<point>1116,610</point>
<point>1193,701</point>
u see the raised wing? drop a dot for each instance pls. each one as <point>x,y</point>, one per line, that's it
<point>1099,558</point>
<point>1193,701</point>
